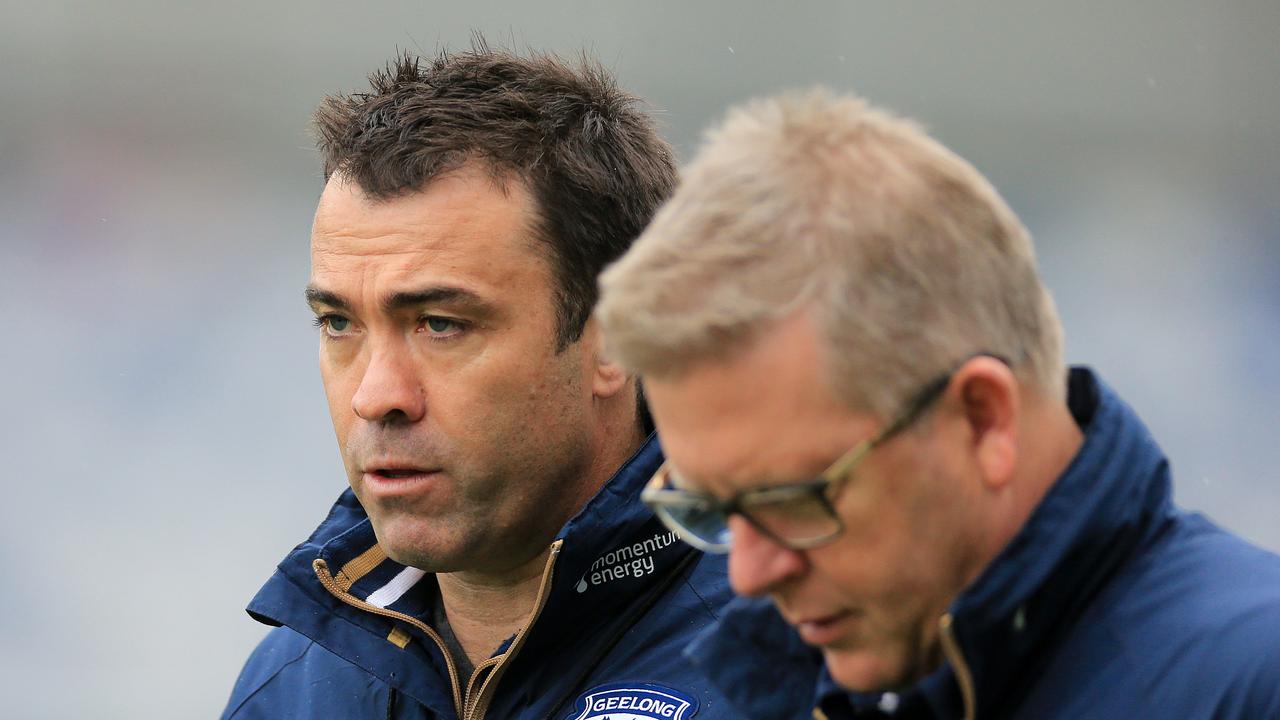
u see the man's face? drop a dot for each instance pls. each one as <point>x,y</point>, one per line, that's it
<point>872,597</point>
<point>464,433</point>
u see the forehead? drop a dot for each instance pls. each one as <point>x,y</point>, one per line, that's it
<point>462,228</point>
<point>764,416</point>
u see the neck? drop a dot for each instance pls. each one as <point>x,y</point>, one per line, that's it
<point>1049,441</point>
<point>618,436</point>
<point>1056,448</point>
<point>485,609</point>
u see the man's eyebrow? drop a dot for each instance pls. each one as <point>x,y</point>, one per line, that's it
<point>433,296</point>
<point>316,296</point>
<point>401,300</point>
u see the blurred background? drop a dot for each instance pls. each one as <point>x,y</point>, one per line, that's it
<point>166,439</point>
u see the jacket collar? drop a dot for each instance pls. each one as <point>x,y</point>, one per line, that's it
<point>612,552</point>
<point>1114,494</point>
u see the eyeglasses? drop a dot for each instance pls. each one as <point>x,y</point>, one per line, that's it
<point>798,516</point>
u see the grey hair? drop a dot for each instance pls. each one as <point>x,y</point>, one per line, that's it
<point>814,202</point>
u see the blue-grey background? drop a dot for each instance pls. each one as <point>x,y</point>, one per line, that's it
<point>165,438</point>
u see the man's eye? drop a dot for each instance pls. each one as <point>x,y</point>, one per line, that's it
<point>333,324</point>
<point>436,325</point>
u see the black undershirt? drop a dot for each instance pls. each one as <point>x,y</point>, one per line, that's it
<point>460,659</point>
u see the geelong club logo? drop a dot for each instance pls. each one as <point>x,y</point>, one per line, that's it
<point>634,701</point>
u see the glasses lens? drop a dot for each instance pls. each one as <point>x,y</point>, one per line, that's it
<point>699,523</point>
<point>800,521</point>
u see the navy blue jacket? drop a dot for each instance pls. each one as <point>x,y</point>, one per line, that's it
<point>1109,603</point>
<point>621,597</point>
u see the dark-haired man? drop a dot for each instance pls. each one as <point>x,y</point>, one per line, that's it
<point>490,559</point>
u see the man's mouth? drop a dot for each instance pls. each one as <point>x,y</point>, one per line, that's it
<point>825,629</point>
<point>394,473</point>
<point>398,479</point>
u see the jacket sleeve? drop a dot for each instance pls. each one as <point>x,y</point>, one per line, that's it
<point>1244,657</point>
<point>1261,694</point>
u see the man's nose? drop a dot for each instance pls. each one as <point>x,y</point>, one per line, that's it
<point>391,388</point>
<point>757,563</point>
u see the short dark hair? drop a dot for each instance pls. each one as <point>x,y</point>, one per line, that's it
<point>593,161</point>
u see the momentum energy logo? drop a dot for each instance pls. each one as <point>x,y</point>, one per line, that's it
<point>640,701</point>
<point>634,560</point>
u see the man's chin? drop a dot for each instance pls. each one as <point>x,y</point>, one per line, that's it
<point>863,670</point>
<point>411,546</point>
<point>405,556</point>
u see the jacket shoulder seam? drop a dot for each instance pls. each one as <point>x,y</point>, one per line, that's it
<point>269,680</point>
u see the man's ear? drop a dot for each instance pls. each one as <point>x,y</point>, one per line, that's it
<point>988,393</point>
<point>608,378</point>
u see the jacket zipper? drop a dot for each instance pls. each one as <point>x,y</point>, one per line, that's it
<point>480,705</point>
<point>326,579</point>
<point>964,677</point>
<point>475,704</point>
<point>481,670</point>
